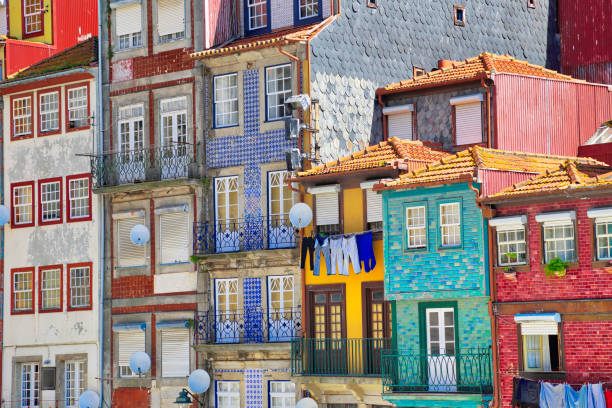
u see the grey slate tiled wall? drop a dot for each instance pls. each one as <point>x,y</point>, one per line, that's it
<point>368,48</point>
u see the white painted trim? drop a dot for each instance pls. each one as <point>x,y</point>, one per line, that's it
<point>172,209</point>
<point>128,214</point>
<point>368,184</point>
<point>508,223</point>
<point>123,3</point>
<point>556,218</point>
<point>328,188</point>
<point>395,110</point>
<point>460,100</point>
<point>599,213</point>
<point>537,317</point>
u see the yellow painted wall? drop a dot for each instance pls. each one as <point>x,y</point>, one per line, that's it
<point>16,22</point>
<point>2,74</point>
<point>353,222</point>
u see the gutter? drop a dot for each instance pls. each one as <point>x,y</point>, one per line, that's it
<point>40,77</point>
<point>384,91</point>
<point>384,117</point>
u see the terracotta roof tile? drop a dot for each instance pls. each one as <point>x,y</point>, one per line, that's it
<point>464,165</point>
<point>477,68</point>
<point>412,154</point>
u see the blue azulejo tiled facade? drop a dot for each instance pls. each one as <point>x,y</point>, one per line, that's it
<point>435,274</point>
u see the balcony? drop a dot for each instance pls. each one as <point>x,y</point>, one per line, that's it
<point>171,162</point>
<point>409,371</point>
<point>360,357</point>
<point>247,234</point>
<point>251,326</point>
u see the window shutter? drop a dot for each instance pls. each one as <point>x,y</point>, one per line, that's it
<point>130,254</point>
<point>539,328</point>
<point>327,208</point>
<point>170,17</point>
<point>129,343</point>
<point>468,123</point>
<point>175,352</point>
<point>174,238</point>
<point>373,205</point>
<point>128,19</point>
<point>400,125</point>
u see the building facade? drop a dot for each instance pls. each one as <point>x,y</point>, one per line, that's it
<point>51,345</point>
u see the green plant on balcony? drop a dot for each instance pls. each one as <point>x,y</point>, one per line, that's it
<point>511,259</point>
<point>556,267</point>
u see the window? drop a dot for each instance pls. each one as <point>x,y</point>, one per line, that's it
<point>281,233</point>
<point>531,3</point>
<point>417,71</point>
<point>450,224</point>
<point>79,198</point>
<point>371,3</point>
<point>129,343</point>
<point>399,121</point>
<point>23,290</point>
<point>23,201</point>
<point>467,113</point>
<point>539,341</point>
<point>79,286</point>
<point>33,14</point>
<point>227,237</point>
<point>327,208</point>
<point>30,385</point>
<point>327,320</point>
<point>282,394</point>
<point>170,20</point>
<point>74,382</point>
<point>22,116</point>
<point>49,112</point>
<point>50,192</point>
<point>559,242</point>
<point>416,232</point>
<point>128,21</point>
<point>278,89</point>
<point>511,247</point>
<point>131,144</point>
<point>174,137</point>
<point>308,9</point>
<point>175,352</point>
<point>280,293</point>
<point>226,100</point>
<point>77,107</point>
<point>603,231</point>
<point>130,254</point>
<point>258,14</point>
<point>50,281</point>
<point>174,237</point>
<point>459,15</point>
<point>228,394</point>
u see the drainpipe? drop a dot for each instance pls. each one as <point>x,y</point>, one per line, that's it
<point>384,117</point>
<point>485,86</point>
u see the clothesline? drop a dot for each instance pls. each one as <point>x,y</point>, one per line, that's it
<point>564,382</point>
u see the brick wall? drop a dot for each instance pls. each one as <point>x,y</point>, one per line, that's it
<point>583,282</point>
<point>132,286</point>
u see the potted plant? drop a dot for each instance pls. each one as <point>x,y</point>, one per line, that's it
<point>556,267</point>
<point>509,271</point>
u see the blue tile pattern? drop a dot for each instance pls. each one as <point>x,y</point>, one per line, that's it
<point>253,314</point>
<point>254,387</point>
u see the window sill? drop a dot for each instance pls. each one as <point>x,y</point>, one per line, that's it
<point>50,311</point>
<point>78,128</point>
<point>44,133</point>
<point>22,137</point>
<point>277,120</point>
<point>446,248</point>
<point>543,375</point>
<point>226,127</point>
<point>570,266</point>
<point>117,50</point>
<point>601,264</point>
<point>174,263</point>
<point>515,268</point>
<point>79,309</point>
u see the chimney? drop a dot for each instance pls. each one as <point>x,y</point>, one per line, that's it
<point>445,64</point>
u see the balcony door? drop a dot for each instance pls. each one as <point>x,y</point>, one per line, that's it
<point>280,201</point>
<point>378,326</point>
<point>227,320</point>
<point>174,155</point>
<point>281,319</point>
<point>227,232</point>
<point>132,155</point>
<point>441,360</point>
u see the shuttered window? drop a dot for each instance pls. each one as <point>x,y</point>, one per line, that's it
<point>174,238</point>
<point>400,125</point>
<point>328,212</point>
<point>128,19</point>
<point>468,123</point>
<point>171,18</point>
<point>373,206</point>
<point>129,343</point>
<point>130,254</point>
<point>537,327</point>
<point>175,352</point>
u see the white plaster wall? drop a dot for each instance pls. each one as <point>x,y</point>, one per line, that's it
<point>65,332</point>
<point>281,13</point>
<point>3,26</point>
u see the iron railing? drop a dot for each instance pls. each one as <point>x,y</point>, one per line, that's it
<point>359,357</point>
<point>467,371</point>
<point>175,161</point>
<point>247,234</point>
<point>251,325</point>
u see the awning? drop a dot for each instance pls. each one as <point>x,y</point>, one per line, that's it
<point>173,324</point>
<point>122,327</point>
<point>328,188</point>
<point>508,223</point>
<point>600,214</point>
<point>556,218</point>
<point>538,323</point>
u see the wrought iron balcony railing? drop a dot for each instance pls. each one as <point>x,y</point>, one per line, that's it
<point>251,325</point>
<point>338,357</point>
<point>175,161</point>
<point>467,371</point>
<point>246,234</point>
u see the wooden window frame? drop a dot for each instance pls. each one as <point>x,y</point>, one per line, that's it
<point>32,205</point>
<point>457,22</point>
<point>541,375</point>
<point>41,269</point>
<point>67,111</point>
<point>69,287</point>
<point>366,304</point>
<point>311,290</point>
<point>33,290</point>
<point>39,94</point>
<point>418,71</point>
<point>32,115</point>
<point>40,204</point>
<point>70,178</point>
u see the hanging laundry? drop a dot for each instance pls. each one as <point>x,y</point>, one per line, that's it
<point>608,397</point>
<point>366,251</point>
<point>552,396</point>
<point>349,249</point>
<point>322,248</point>
<point>596,396</point>
<point>337,260</point>
<point>576,399</point>
<point>308,247</point>
<point>525,394</point>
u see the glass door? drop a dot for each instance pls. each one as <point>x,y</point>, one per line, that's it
<point>281,323</point>
<point>378,331</point>
<point>280,201</point>
<point>227,320</point>
<point>227,232</point>
<point>132,155</point>
<point>441,361</point>
<point>327,349</point>
<point>174,156</point>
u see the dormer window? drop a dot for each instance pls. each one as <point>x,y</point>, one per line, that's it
<point>309,8</point>
<point>33,14</point>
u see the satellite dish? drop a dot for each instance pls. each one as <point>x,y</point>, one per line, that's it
<point>300,215</point>
<point>306,403</point>
<point>89,399</point>
<point>140,234</point>
<point>140,362</point>
<point>5,214</point>
<point>199,381</point>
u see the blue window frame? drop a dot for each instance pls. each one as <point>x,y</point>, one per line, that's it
<point>256,17</point>
<point>307,11</point>
<point>278,88</point>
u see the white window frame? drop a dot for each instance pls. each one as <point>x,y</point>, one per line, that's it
<point>285,394</point>
<point>80,202</point>
<point>275,100</point>
<point>555,228</point>
<point>508,243</point>
<point>124,361</point>
<point>75,380</point>
<point>415,228</point>
<point>257,11</point>
<point>50,287</point>
<point>167,364</point>
<point>607,225</point>
<point>129,41</point>
<point>79,287</point>
<point>167,111</point>
<point>49,116</point>
<point>131,115</point>
<point>163,32</point>
<point>24,117</point>
<point>18,204</point>
<point>47,201</point>
<point>38,12</point>
<point>30,395</point>
<point>276,180</point>
<point>77,106</point>
<point>308,9</point>
<point>281,279</point>
<point>231,393</point>
<point>450,226</point>
<point>231,101</point>
<point>28,293</point>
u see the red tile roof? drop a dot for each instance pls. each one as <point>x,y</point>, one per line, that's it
<point>473,69</point>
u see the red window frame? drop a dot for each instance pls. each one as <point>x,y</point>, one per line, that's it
<point>68,287</point>
<point>23,22</point>
<point>41,269</point>
<point>59,111</point>
<point>33,205</point>
<point>40,207</point>
<point>77,177</point>
<point>13,272</point>
<point>68,88</point>
<point>32,115</point>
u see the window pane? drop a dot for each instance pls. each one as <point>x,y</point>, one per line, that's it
<point>49,112</point>
<point>559,242</point>
<point>226,100</point>
<point>511,247</point>
<point>278,88</point>
<point>50,289</point>
<point>78,191</point>
<point>604,240</point>
<point>77,107</point>
<point>80,287</point>
<point>50,201</point>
